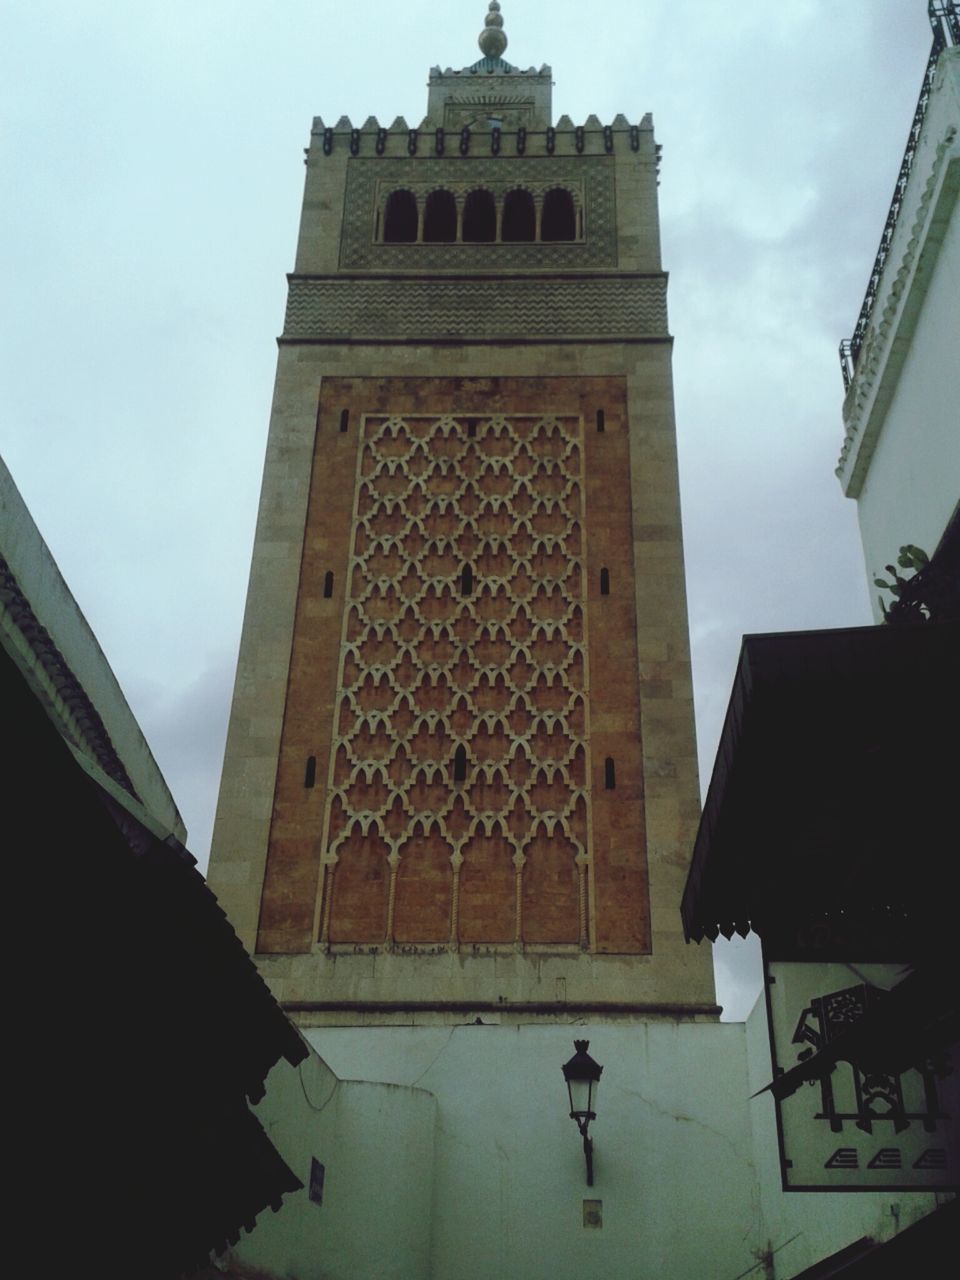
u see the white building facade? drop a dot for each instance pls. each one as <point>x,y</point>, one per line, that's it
<point>901,452</point>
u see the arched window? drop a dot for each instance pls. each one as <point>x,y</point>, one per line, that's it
<point>479,216</point>
<point>460,764</point>
<point>604,582</point>
<point>466,581</point>
<point>519,218</point>
<point>400,219</point>
<point>310,772</point>
<point>559,219</point>
<point>328,584</point>
<point>609,774</point>
<point>440,217</point>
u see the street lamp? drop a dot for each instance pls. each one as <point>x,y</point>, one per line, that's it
<point>582,1075</point>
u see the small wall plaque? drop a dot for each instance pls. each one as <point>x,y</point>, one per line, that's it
<point>593,1213</point>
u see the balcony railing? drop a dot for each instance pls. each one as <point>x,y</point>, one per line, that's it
<point>944,18</point>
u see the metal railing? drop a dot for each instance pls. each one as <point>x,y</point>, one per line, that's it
<point>944,18</point>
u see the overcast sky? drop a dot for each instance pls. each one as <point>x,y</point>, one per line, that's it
<point>152,175</point>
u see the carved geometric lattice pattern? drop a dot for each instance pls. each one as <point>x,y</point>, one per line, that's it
<point>458,799</point>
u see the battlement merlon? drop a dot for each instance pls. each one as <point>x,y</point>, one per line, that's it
<point>564,135</point>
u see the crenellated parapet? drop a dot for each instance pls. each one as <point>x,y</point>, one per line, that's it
<point>483,137</point>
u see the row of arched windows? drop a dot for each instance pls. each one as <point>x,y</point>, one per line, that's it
<point>480,217</point>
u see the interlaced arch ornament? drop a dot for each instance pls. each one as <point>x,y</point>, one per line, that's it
<point>458,800</point>
<point>589,179</point>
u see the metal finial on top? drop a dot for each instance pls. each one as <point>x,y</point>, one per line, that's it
<point>492,39</point>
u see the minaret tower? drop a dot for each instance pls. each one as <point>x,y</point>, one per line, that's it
<point>460,772</point>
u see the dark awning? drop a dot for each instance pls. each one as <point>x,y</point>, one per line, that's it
<point>144,1028</point>
<point>834,791</point>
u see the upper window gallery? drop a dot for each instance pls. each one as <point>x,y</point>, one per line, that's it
<point>479,216</point>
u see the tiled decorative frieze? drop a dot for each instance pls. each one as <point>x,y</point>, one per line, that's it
<point>616,307</point>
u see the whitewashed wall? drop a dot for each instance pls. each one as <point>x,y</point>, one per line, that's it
<point>901,455</point>
<point>449,1155</point>
<point>913,483</point>
<point>53,605</point>
<point>376,1143</point>
<point>673,1164</point>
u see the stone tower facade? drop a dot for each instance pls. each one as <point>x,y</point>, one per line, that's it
<point>460,771</point>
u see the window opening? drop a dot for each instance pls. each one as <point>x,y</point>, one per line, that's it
<point>559,218</point>
<point>519,216</point>
<point>328,584</point>
<point>601,422</point>
<point>466,581</point>
<point>609,775</point>
<point>604,582</point>
<point>479,216</point>
<point>460,764</point>
<point>344,419</point>
<point>471,427</point>
<point>310,772</point>
<point>440,218</point>
<point>400,218</point>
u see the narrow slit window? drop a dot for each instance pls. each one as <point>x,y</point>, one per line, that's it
<point>609,774</point>
<point>466,581</point>
<point>344,419</point>
<point>460,764</point>
<point>310,772</point>
<point>601,421</point>
<point>604,582</point>
<point>328,584</point>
